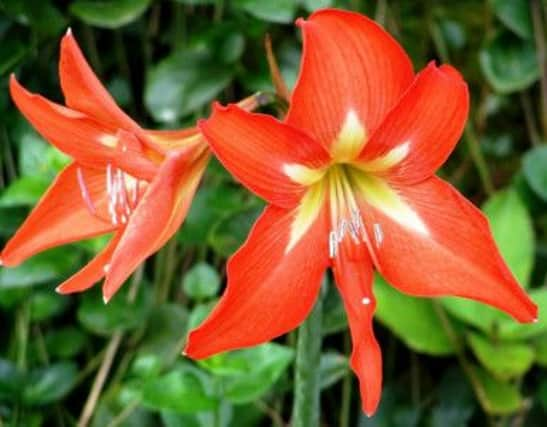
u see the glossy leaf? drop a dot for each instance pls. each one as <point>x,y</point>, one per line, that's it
<point>47,267</point>
<point>46,304</point>
<point>515,14</point>
<point>280,11</point>
<point>49,384</point>
<point>509,63</point>
<point>182,390</point>
<point>496,397</point>
<point>534,165</point>
<point>201,281</point>
<point>510,222</point>
<point>248,374</point>
<point>109,13</point>
<point>117,315</point>
<point>66,342</point>
<point>503,360</point>
<point>413,320</point>
<point>183,83</point>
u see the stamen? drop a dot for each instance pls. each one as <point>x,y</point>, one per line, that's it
<point>366,301</point>
<point>121,199</point>
<point>378,234</point>
<point>85,192</point>
<point>109,179</point>
<point>354,226</point>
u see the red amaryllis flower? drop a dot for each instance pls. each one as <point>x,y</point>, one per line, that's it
<point>349,177</point>
<point>123,180</point>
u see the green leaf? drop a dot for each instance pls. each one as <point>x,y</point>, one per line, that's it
<point>182,390</point>
<point>248,374</point>
<point>228,235</point>
<point>183,83</point>
<point>11,53</point>
<point>201,281</point>
<point>49,384</point>
<point>211,204</point>
<point>165,330</point>
<point>510,222</point>
<point>24,191</point>
<point>109,13</point>
<point>413,320</point>
<point>496,397</point>
<point>509,63</point>
<point>515,14</point>
<point>540,346</point>
<point>10,381</point>
<point>503,360</point>
<point>46,304</point>
<point>280,11</point>
<point>43,268</point>
<point>66,342</point>
<point>334,366</point>
<point>313,5</point>
<point>118,315</point>
<point>40,15</point>
<point>474,313</point>
<point>199,313</point>
<point>534,166</point>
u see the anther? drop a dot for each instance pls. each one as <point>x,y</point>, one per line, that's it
<point>366,301</point>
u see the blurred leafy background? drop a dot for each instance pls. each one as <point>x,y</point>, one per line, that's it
<point>448,363</point>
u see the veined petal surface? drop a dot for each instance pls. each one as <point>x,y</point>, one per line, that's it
<point>424,127</point>
<point>349,64</point>
<point>77,135</point>
<point>257,149</point>
<point>454,255</point>
<point>64,203</point>
<point>269,291</point>
<point>354,278</point>
<point>84,92</point>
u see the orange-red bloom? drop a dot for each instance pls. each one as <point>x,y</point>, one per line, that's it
<point>349,177</point>
<point>123,180</point>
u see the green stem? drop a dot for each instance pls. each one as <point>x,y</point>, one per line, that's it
<point>346,388</point>
<point>306,406</point>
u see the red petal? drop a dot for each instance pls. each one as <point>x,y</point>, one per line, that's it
<point>61,216</point>
<point>173,139</point>
<point>92,272</point>
<point>457,256</point>
<point>269,291</point>
<point>428,121</point>
<point>84,92</point>
<point>349,63</point>
<point>354,281</point>
<point>158,215</point>
<point>76,134</point>
<point>255,148</point>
